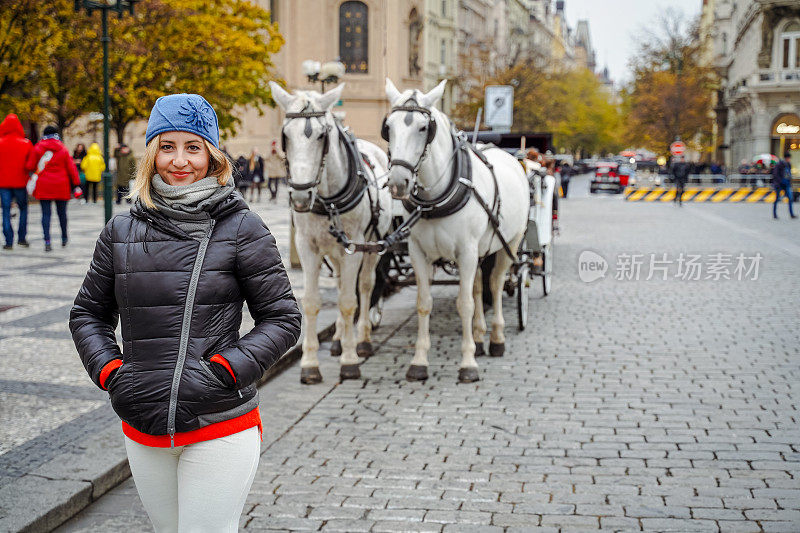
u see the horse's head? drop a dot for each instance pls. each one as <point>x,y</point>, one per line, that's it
<point>409,128</point>
<point>305,137</point>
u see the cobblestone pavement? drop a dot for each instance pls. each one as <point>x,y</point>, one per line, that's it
<point>46,400</point>
<point>626,405</point>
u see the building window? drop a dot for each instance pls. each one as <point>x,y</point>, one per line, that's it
<point>443,53</point>
<point>790,46</point>
<point>414,35</point>
<point>444,8</point>
<point>353,37</point>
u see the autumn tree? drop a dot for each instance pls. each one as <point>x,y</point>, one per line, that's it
<point>219,49</point>
<point>571,104</point>
<point>670,94</point>
<point>26,36</point>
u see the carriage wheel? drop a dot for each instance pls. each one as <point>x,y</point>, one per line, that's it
<point>547,269</point>
<point>523,282</point>
<point>383,286</point>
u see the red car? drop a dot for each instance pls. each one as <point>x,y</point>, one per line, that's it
<point>609,178</point>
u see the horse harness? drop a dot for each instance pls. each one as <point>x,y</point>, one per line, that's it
<point>350,195</point>
<point>458,191</point>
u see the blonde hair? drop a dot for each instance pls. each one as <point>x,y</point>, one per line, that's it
<point>218,165</point>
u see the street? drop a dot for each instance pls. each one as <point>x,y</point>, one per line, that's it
<point>627,404</point>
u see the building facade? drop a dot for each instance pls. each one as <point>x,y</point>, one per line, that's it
<point>441,50</point>
<point>475,46</point>
<point>757,56</point>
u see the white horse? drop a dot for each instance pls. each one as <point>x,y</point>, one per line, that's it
<point>421,158</point>
<point>326,167</point>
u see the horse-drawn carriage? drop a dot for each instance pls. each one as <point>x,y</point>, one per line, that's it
<point>482,215</point>
<point>535,254</point>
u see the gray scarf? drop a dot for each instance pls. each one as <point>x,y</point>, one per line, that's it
<point>188,206</point>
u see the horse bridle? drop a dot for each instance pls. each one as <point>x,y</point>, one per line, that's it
<point>431,134</point>
<point>308,115</point>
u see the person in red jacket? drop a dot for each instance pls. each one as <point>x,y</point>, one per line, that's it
<point>57,180</point>
<point>14,152</point>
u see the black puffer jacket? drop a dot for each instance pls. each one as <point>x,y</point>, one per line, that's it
<point>180,302</point>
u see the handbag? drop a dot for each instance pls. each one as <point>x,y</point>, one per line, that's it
<point>31,185</point>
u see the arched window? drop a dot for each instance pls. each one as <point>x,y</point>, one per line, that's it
<point>353,37</point>
<point>790,46</point>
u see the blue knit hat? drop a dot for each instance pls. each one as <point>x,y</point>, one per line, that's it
<point>183,112</point>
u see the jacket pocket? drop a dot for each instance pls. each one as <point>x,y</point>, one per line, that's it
<point>206,366</point>
<point>114,379</point>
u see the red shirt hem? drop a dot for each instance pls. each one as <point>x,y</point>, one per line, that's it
<point>210,432</point>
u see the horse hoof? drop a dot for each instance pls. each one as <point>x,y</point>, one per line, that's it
<point>310,375</point>
<point>468,375</point>
<point>417,373</point>
<point>479,350</point>
<point>497,349</point>
<point>364,349</point>
<point>349,372</point>
<point>336,348</point>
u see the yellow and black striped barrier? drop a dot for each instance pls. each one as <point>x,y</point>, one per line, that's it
<point>701,194</point>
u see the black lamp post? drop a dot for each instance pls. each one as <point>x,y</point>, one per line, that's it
<point>104,6</point>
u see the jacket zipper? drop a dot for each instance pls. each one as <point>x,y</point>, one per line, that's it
<point>185,331</point>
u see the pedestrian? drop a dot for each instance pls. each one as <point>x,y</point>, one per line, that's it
<point>177,270</point>
<point>77,156</point>
<point>276,168</point>
<point>242,177</point>
<point>93,165</point>
<point>680,173</point>
<point>126,171</point>
<point>566,174</point>
<point>14,152</point>
<point>255,172</point>
<point>56,181</point>
<point>782,182</point>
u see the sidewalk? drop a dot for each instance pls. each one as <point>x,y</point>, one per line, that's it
<point>59,445</point>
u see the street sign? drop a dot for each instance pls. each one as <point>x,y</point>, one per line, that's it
<point>677,148</point>
<point>499,106</point>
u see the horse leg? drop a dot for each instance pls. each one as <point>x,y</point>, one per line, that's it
<point>467,265</point>
<point>366,282</point>
<point>311,263</point>
<point>423,269</point>
<point>497,339</point>
<point>348,272</point>
<point>478,319</point>
<point>336,342</point>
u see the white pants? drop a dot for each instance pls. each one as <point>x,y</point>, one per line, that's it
<point>199,487</point>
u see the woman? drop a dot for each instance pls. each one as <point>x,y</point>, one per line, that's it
<point>56,181</point>
<point>275,168</point>
<point>93,165</point>
<point>255,171</point>
<point>176,271</point>
<point>77,156</point>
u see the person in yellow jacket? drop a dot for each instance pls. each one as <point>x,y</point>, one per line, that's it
<point>93,166</point>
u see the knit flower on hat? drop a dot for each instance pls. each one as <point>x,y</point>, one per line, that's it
<point>198,113</point>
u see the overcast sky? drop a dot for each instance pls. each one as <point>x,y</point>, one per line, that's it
<point>615,25</point>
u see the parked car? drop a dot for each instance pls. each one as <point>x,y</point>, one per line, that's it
<point>610,177</point>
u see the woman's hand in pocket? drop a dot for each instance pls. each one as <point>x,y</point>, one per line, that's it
<point>222,369</point>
